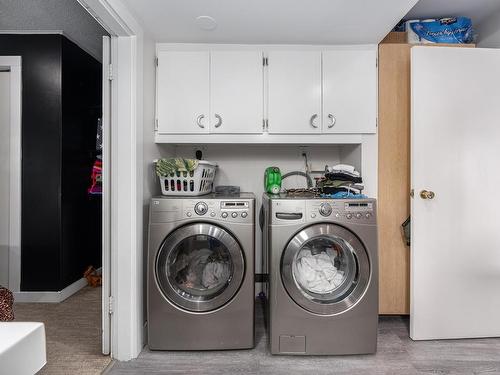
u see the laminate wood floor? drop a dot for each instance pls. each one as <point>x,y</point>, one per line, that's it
<point>396,354</point>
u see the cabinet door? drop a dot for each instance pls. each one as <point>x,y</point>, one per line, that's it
<point>182,92</point>
<point>236,92</point>
<point>294,103</point>
<point>350,91</point>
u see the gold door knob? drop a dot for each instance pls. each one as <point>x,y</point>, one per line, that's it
<point>425,194</point>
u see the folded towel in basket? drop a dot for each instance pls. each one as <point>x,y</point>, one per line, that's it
<point>166,167</point>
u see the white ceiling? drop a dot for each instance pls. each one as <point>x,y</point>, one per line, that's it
<point>271,21</point>
<point>478,10</point>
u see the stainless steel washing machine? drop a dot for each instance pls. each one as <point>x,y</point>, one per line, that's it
<point>322,264</point>
<point>201,273</point>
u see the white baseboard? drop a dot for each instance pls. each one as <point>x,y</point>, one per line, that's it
<point>50,297</point>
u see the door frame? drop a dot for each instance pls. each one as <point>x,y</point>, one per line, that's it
<point>125,175</point>
<point>13,65</point>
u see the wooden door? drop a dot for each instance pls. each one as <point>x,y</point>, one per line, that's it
<point>455,251</point>
<point>182,103</point>
<point>350,90</point>
<point>236,92</point>
<point>294,81</point>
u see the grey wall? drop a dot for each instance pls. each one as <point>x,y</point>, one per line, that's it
<point>67,16</point>
<point>489,32</point>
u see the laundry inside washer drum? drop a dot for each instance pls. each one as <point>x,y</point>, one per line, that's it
<point>322,268</point>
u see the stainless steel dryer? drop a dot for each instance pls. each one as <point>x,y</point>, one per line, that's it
<point>201,273</point>
<point>323,287</point>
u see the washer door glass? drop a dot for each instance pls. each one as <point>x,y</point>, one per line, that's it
<point>325,269</point>
<point>200,267</point>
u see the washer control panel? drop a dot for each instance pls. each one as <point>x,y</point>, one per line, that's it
<point>360,211</point>
<point>325,209</point>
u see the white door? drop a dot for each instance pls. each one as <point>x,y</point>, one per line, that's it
<point>455,250</point>
<point>350,91</point>
<point>182,103</point>
<point>236,92</point>
<point>294,102</point>
<point>107,54</point>
<point>5,179</point>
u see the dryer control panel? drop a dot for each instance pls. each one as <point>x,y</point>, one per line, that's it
<point>234,211</point>
<point>164,210</point>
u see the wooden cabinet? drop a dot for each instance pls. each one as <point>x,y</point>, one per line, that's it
<point>350,91</point>
<point>394,173</point>
<point>394,177</point>
<point>294,89</point>
<point>236,92</point>
<point>183,92</point>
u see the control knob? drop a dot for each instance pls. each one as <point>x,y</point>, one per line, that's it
<point>325,209</point>
<point>358,215</point>
<point>244,215</point>
<point>224,215</point>
<point>348,216</point>
<point>234,214</point>
<point>201,208</point>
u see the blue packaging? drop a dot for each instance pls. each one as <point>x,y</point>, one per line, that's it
<point>445,30</point>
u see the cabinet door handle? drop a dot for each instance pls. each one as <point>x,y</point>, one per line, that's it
<point>311,121</point>
<point>219,120</point>
<point>198,121</point>
<point>332,121</point>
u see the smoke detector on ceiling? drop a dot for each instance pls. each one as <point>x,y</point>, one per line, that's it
<point>206,23</point>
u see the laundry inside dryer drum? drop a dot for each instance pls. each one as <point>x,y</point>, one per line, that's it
<point>199,268</point>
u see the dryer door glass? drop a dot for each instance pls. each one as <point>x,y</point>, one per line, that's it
<point>325,269</point>
<point>200,267</point>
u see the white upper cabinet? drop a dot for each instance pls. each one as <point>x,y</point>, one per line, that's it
<point>236,92</point>
<point>294,92</point>
<point>183,92</point>
<point>350,91</point>
<point>254,94</point>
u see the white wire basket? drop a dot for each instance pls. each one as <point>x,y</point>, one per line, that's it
<point>197,182</point>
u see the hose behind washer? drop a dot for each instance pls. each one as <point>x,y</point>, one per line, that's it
<point>299,173</point>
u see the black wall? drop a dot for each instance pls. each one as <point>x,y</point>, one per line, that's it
<point>61,101</point>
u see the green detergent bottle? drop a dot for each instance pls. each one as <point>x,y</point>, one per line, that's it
<point>272,180</point>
